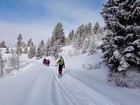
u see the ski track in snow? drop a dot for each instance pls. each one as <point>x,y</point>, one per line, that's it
<point>47,89</point>
<point>72,91</point>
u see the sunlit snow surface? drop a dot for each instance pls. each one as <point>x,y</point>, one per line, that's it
<point>37,84</point>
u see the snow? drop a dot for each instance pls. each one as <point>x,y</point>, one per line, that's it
<point>37,84</point>
<point>129,49</point>
<point>116,54</point>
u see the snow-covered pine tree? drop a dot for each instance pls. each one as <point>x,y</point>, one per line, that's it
<point>101,33</point>
<point>96,27</point>
<point>86,31</point>
<point>18,50</point>
<point>87,34</point>
<point>70,37</point>
<point>2,44</point>
<point>14,60</point>
<point>57,39</point>
<point>92,46</point>
<point>1,65</point>
<point>58,35</point>
<point>48,48</point>
<point>86,45</point>
<point>25,51</point>
<point>96,31</point>
<point>89,29</point>
<point>19,40</point>
<point>23,44</point>
<point>78,44</point>
<point>32,51</point>
<point>7,50</point>
<point>122,47</point>
<point>19,44</point>
<point>55,50</point>
<point>40,50</point>
<point>12,50</point>
<point>30,42</point>
<point>78,38</point>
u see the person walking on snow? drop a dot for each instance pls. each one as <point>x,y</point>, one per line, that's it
<point>61,65</point>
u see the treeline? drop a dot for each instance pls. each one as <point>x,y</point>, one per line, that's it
<point>83,40</point>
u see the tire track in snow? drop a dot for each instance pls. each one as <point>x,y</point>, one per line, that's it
<point>82,98</point>
<point>52,91</point>
<point>27,93</point>
<point>92,94</point>
<point>63,91</point>
<point>62,96</point>
<point>55,92</point>
<point>71,94</point>
<point>37,93</point>
<point>81,94</point>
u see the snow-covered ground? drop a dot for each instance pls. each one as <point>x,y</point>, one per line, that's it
<point>37,84</point>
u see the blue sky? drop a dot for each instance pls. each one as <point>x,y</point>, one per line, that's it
<point>37,18</point>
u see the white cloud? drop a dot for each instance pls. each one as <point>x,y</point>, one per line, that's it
<point>64,10</point>
<point>70,13</point>
<point>10,31</point>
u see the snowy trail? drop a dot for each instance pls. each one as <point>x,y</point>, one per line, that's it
<point>41,86</point>
<point>78,93</point>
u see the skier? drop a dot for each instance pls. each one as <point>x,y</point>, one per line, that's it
<point>44,61</point>
<point>61,65</point>
<point>48,62</point>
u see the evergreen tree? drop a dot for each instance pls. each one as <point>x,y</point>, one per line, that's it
<point>100,34</point>
<point>14,60</point>
<point>40,49</point>
<point>19,44</point>
<point>2,44</point>
<point>96,27</point>
<point>1,65</point>
<point>19,40</point>
<point>89,29</point>
<point>55,50</point>
<point>79,32</point>
<point>23,44</point>
<point>86,45</point>
<point>87,34</point>
<point>58,35</point>
<point>70,37</point>
<point>12,50</point>
<point>7,50</point>
<point>78,44</point>
<point>30,42</point>
<point>48,48</point>
<point>122,46</point>
<point>31,52</point>
<point>18,50</point>
<point>58,39</point>
<point>25,51</point>
<point>92,46</point>
<point>79,38</point>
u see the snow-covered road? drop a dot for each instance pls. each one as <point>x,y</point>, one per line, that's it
<point>40,85</point>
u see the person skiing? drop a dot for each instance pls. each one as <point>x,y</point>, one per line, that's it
<point>48,62</point>
<point>44,61</point>
<point>61,65</point>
